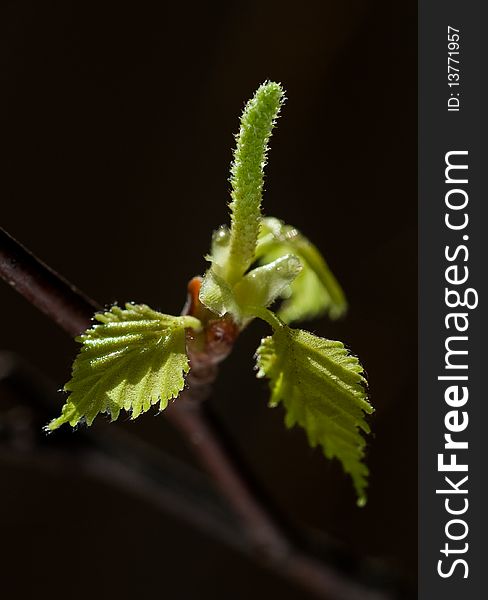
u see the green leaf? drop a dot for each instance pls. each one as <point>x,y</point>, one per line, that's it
<point>315,291</point>
<point>133,359</point>
<point>217,295</point>
<point>323,390</point>
<point>260,287</point>
<point>247,177</point>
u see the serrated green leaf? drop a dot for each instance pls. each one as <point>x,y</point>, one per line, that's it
<point>315,291</point>
<point>323,390</point>
<point>131,360</point>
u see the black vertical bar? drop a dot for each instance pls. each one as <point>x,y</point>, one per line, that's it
<point>444,129</point>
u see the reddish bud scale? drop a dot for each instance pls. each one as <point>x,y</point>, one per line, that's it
<point>214,343</point>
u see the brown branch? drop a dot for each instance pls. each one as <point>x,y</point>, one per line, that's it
<point>43,287</point>
<point>261,531</point>
<point>271,546</point>
<point>73,311</point>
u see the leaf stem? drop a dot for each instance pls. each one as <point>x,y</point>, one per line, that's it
<point>266,315</point>
<point>190,322</point>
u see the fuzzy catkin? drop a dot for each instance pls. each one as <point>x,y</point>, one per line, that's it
<point>247,174</point>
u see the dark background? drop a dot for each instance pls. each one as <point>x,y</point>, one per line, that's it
<point>117,126</point>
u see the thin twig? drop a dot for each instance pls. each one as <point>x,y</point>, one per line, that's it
<point>271,545</point>
<point>43,287</point>
<point>73,312</point>
<point>260,529</point>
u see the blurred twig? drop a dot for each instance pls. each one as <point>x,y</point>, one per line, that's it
<point>263,539</point>
<point>112,456</point>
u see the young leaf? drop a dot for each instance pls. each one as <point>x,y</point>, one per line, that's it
<point>260,287</point>
<point>247,176</point>
<point>133,359</point>
<point>217,295</point>
<point>315,291</point>
<point>322,388</point>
